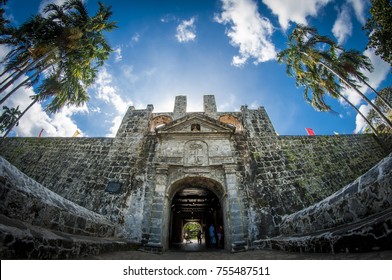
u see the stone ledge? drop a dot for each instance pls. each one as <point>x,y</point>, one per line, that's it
<point>370,234</point>
<point>370,194</point>
<point>24,199</point>
<point>21,240</point>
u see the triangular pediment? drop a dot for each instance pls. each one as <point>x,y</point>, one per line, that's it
<point>196,123</point>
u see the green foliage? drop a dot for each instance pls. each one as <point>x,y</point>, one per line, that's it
<point>379,29</point>
<point>374,118</point>
<point>262,203</point>
<point>192,228</point>
<point>8,118</point>
<point>256,155</point>
<point>324,68</point>
<point>3,20</point>
<point>67,44</point>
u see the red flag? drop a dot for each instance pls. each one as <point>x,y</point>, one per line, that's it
<point>310,131</point>
<point>42,130</point>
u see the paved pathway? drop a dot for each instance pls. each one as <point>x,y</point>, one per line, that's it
<point>193,251</point>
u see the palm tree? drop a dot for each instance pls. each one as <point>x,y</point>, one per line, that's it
<point>304,53</point>
<point>78,49</point>
<point>32,49</point>
<point>318,83</point>
<point>8,118</point>
<point>67,31</point>
<point>352,62</point>
<point>3,21</point>
<point>63,90</point>
<point>374,119</point>
<point>16,121</point>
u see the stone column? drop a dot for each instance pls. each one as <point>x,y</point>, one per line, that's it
<point>234,211</point>
<point>156,238</point>
<point>179,107</point>
<point>210,106</point>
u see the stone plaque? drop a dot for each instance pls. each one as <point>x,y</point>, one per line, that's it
<point>196,153</point>
<point>113,187</point>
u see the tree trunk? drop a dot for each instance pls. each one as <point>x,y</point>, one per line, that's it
<point>17,120</point>
<point>359,112</point>
<point>16,70</point>
<point>24,71</point>
<point>21,84</point>
<point>378,95</point>
<point>13,90</point>
<point>359,92</point>
<point>382,116</point>
<point>9,77</point>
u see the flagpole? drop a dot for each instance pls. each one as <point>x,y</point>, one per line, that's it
<point>39,135</point>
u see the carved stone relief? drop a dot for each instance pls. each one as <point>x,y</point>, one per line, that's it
<point>196,153</point>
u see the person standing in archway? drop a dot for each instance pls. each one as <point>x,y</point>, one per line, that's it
<point>219,232</point>
<point>199,237</point>
<point>212,235</point>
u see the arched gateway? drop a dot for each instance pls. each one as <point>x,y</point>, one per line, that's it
<point>196,199</point>
<point>195,181</point>
<point>199,199</point>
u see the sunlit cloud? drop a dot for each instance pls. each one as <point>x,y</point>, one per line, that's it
<point>359,7</point>
<point>117,54</point>
<point>295,11</point>
<point>360,123</point>
<point>35,119</point>
<point>248,31</point>
<point>186,31</point>
<point>135,38</point>
<point>343,27</point>
<point>106,91</point>
<point>380,73</point>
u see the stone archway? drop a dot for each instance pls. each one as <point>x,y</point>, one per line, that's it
<point>169,181</point>
<point>194,205</point>
<point>196,199</point>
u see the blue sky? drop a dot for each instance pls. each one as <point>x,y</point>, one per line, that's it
<point>196,47</point>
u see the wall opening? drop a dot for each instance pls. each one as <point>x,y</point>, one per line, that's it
<point>192,231</point>
<point>159,121</point>
<point>195,202</point>
<point>232,121</point>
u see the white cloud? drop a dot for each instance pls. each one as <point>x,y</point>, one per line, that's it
<point>254,105</point>
<point>96,110</point>
<point>248,31</point>
<point>359,9</point>
<point>380,73</point>
<point>135,38</point>
<point>168,18</point>
<point>343,27</point>
<point>117,54</point>
<point>229,104</point>
<point>129,73</point>
<point>360,123</point>
<point>295,11</point>
<point>35,119</point>
<point>116,122</point>
<point>381,69</point>
<point>106,91</point>
<point>44,3</point>
<point>186,31</point>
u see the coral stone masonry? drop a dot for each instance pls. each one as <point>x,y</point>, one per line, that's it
<point>226,169</point>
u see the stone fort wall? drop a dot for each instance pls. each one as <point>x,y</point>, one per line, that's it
<point>277,175</point>
<point>71,167</point>
<point>284,174</point>
<point>356,218</point>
